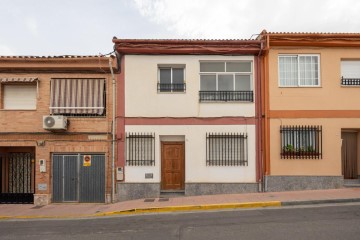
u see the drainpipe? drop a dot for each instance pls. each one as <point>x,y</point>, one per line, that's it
<point>113,142</point>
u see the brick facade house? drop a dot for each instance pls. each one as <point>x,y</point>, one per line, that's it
<point>55,129</point>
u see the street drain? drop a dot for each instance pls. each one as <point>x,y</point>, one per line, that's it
<point>149,200</point>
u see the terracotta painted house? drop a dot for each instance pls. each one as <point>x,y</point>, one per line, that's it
<point>188,117</point>
<point>55,129</point>
<point>312,110</point>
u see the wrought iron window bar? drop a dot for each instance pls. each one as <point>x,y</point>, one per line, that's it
<point>140,149</point>
<point>171,87</point>
<point>301,142</point>
<point>226,96</point>
<point>350,81</point>
<point>226,149</point>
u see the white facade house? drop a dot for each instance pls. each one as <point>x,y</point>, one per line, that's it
<point>189,121</point>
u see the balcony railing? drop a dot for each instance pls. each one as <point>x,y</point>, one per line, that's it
<point>226,96</point>
<point>171,87</point>
<point>350,81</point>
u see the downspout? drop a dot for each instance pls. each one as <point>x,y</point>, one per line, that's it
<point>113,142</point>
<point>259,120</point>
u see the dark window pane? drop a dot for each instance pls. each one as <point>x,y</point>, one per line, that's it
<point>212,67</point>
<point>238,67</point>
<point>225,83</point>
<point>242,83</point>
<point>208,82</point>
<point>165,75</point>
<point>178,75</point>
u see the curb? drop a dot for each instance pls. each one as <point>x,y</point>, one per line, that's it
<point>188,208</point>
<point>193,208</point>
<point>134,211</point>
<point>323,201</point>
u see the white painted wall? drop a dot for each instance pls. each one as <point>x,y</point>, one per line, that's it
<point>143,100</point>
<point>196,170</point>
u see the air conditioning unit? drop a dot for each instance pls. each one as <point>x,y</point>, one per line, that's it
<point>54,122</point>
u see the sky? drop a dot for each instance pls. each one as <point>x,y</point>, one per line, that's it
<point>86,27</point>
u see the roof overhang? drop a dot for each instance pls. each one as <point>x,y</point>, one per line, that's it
<point>65,64</point>
<point>187,47</point>
<point>313,39</point>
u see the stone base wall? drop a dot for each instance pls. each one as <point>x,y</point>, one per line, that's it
<point>193,189</point>
<point>129,191</point>
<point>295,183</point>
<point>41,199</point>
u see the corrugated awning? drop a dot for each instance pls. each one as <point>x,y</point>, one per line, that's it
<point>19,80</point>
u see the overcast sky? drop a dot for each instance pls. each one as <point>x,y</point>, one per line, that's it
<point>86,27</point>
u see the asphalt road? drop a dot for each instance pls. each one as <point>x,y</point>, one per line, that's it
<point>326,222</point>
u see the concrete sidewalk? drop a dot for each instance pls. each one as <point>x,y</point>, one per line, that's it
<point>193,203</point>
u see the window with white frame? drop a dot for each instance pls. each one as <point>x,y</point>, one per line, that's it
<point>226,81</point>
<point>299,70</point>
<point>171,78</point>
<point>350,73</point>
<point>19,96</point>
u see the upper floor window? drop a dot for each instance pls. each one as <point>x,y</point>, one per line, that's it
<point>19,93</point>
<point>350,73</point>
<point>171,78</point>
<point>226,81</point>
<point>299,70</point>
<point>78,97</point>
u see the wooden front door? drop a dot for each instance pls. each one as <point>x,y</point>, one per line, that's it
<point>172,165</point>
<point>349,155</point>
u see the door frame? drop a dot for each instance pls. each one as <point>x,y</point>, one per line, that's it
<point>162,165</point>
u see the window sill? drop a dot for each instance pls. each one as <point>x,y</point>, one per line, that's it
<point>242,102</point>
<point>171,92</point>
<point>13,110</point>
<point>300,86</point>
<point>350,86</point>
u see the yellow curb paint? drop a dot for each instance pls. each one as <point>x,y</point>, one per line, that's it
<point>161,209</point>
<point>194,208</point>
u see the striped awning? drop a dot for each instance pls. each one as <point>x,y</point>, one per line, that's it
<point>19,80</point>
<point>77,96</point>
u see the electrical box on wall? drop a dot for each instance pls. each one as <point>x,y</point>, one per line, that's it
<point>42,164</point>
<point>119,173</point>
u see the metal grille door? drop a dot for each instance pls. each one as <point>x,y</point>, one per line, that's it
<point>17,178</point>
<point>75,181</point>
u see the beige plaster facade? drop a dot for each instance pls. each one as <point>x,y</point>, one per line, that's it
<point>331,105</point>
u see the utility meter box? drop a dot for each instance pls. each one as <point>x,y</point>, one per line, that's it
<point>42,164</point>
<point>119,173</point>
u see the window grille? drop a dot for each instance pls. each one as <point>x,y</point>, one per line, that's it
<point>226,96</point>
<point>301,142</point>
<point>140,149</point>
<point>350,81</point>
<point>226,149</point>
